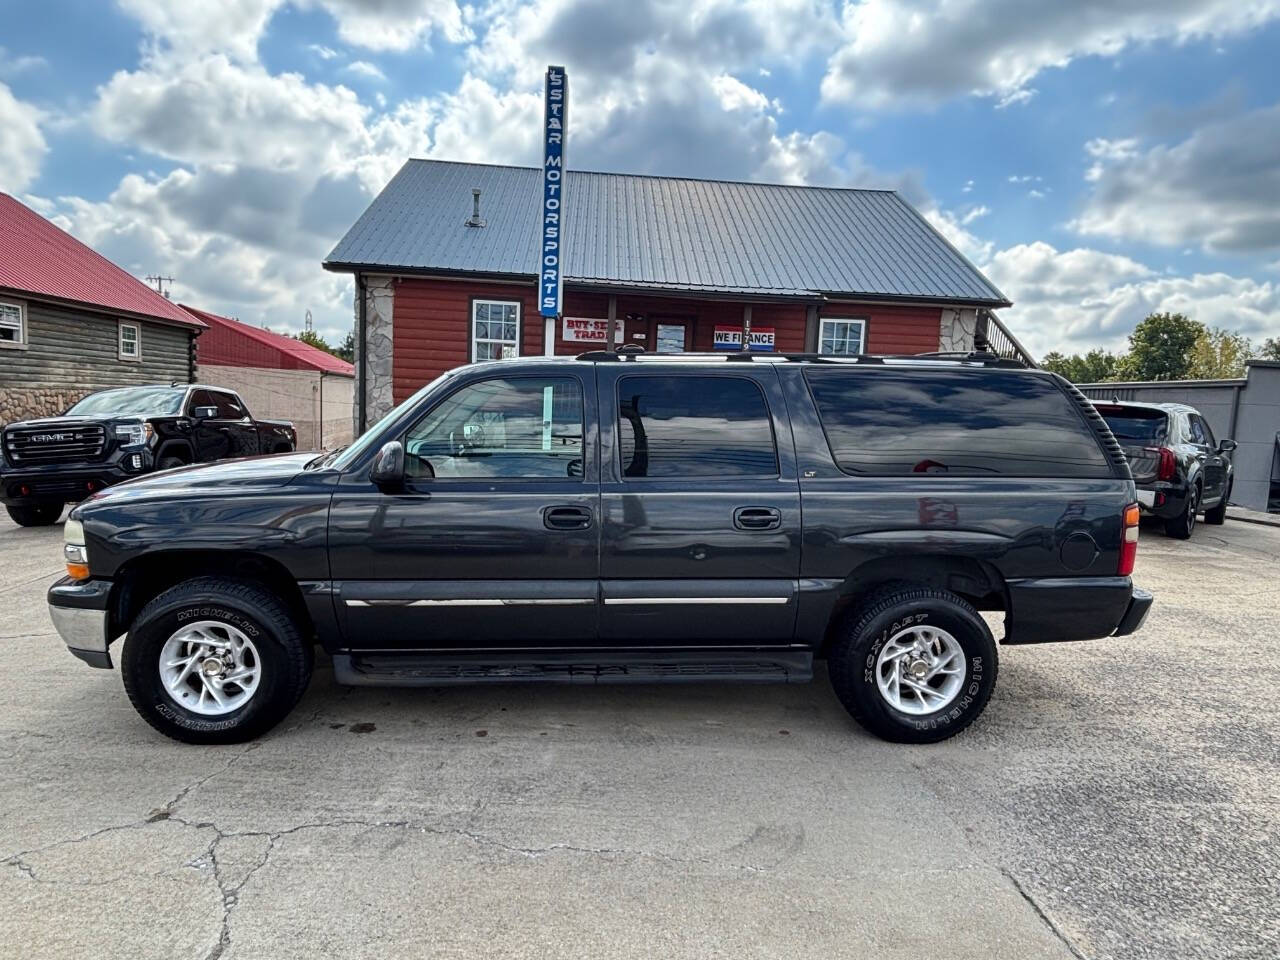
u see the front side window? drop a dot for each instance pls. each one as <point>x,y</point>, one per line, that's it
<point>1203,434</point>
<point>13,325</point>
<point>229,407</point>
<point>517,428</point>
<point>677,427</point>
<point>495,329</point>
<point>843,337</point>
<point>130,342</point>
<point>967,423</point>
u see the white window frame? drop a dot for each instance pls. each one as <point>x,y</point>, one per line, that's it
<point>121,326</point>
<point>487,301</point>
<point>21,342</point>
<point>861,324</point>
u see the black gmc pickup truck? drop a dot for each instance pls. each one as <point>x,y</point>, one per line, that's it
<point>118,434</point>
<point>618,519</point>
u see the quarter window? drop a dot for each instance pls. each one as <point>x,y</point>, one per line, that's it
<point>130,341</point>
<point>13,325</point>
<point>843,337</point>
<point>694,427</point>
<point>495,329</point>
<point>970,423</point>
<point>517,428</point>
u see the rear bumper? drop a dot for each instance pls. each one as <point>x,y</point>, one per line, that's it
<point>1060,609</point>
<point>78,609</point>
<point>1162,499</point>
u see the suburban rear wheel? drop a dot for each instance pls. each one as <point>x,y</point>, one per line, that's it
<point>39,515</point>
<point>215,660</point>
<point>1181,526</point>
<point>1218,515</point>
<point>914,664</point>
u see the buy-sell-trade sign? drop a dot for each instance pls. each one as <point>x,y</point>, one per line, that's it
<point>554,123</point>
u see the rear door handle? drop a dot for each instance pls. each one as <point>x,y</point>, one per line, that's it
<point>757,518</point>
<point>566,518</point>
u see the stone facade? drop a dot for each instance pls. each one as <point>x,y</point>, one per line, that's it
<point>956,329</point>
<point>379,303</point>
<point>27,403</point>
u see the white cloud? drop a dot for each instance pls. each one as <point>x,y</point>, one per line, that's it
<point>1075,300</point>
<point>968,187</point>
<point>364,68</point>
<point>1023,95</point>
<point>321,51</point>
<point>898,52</point>
<point>736,95</point>
<point>973,214</point>
<point>396,24</point>
<point>11,66</point>
<point>1023,178</point>
<point>1217,189</point>
<point>22,145</point>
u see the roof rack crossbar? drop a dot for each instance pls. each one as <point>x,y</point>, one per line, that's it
<point>744,356</point>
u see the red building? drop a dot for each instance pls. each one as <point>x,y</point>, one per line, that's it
<point>446,261</point>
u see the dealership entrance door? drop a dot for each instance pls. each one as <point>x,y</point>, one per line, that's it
<point>660,334</point>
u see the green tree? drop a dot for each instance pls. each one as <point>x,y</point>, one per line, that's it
<point>347,350</point>
<point>1219,355</point>
<point>1095,366</point>
<point>1270,349</point>
<point>1160,348</point>
<point>313,338</point>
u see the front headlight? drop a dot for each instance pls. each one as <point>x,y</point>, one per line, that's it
<point>132,433</point>
<point>74,550</point>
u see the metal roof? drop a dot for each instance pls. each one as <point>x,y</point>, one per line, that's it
<point>233,343</point>
<point>631,231</point>
<point>38,258</point>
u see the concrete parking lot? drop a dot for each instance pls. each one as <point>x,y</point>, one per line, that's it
<point>1119,798</point>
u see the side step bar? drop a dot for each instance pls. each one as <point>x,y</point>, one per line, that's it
<point>655,666</point>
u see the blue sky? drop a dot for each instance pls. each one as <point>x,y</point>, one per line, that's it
<point>1097,159</point>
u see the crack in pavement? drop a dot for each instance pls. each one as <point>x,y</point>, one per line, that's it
<point>1040,912</point>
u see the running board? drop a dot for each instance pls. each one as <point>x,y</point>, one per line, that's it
<point>652,666</point>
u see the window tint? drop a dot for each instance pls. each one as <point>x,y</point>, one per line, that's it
<point>1133,426</point>
<point>958,423</point>
<point>523,427</point>
<point>199,398</point>
<point>694,427</point>
<point>1200,432</point>
<point>228,407</point>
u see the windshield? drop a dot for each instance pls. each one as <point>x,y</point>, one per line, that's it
<point>348,455</point>
<point>144,401</point>
<point>1140,426</point>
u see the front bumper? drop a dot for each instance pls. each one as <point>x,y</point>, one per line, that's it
<point>61,483</point>
<point>1057,609</point>
<point>80,614</point>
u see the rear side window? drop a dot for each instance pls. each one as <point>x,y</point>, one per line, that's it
<point>694,427</point>
<point>1132,426</point>
<point>977,423</point>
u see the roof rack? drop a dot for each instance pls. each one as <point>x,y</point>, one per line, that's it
<point>746,356</point>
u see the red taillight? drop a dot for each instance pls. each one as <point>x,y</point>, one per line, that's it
<point>1128,541</point>
<point>1165,468</point>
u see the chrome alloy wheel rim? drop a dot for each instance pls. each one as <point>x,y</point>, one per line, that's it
<point>210,668</point>
<point>920,670</point>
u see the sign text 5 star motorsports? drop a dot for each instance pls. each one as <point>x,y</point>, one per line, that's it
<point>554,122</point>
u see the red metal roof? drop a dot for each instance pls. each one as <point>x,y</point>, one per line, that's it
<point>38,258</point>
<point>230,343</point>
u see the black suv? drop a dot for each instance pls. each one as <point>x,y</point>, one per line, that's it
<point>617,519</point>
<point>118,434</point>
<point>1180,469</point>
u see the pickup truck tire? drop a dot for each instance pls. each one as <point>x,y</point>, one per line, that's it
<point>40,515</point>
<point>240,613</point>
<point>168,463</point>
<point>903,629</point>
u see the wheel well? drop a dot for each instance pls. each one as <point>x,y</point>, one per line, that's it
<point>175,448</point>
<point>143,579</point>
<point>971,579</point>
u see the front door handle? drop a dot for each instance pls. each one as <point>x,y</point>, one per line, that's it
<point>757,518</point>
<point>566,518</point>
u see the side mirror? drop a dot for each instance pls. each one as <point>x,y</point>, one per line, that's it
<point>388,465</point>
<point>1226,446</point>
<point>204,413</point>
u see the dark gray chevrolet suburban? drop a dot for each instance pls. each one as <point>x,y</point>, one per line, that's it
<point>619,518</point>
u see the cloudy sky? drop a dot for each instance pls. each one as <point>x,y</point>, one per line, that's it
<point>1097,159</point>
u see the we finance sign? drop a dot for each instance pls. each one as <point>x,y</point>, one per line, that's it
<point>555,116</point>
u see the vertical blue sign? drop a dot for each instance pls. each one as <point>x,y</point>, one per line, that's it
<point>554,123</point>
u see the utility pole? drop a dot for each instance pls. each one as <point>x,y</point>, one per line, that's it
<point>158,282</point>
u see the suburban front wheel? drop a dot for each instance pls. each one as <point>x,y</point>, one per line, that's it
<point>914,664</point>
<point>40,515</point>
<point>215,660</point>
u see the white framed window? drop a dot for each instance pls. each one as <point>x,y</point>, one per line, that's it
<point>843,336</point>
<point>13,325</point>
<point>130,341</point>
<point>495,329</point>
